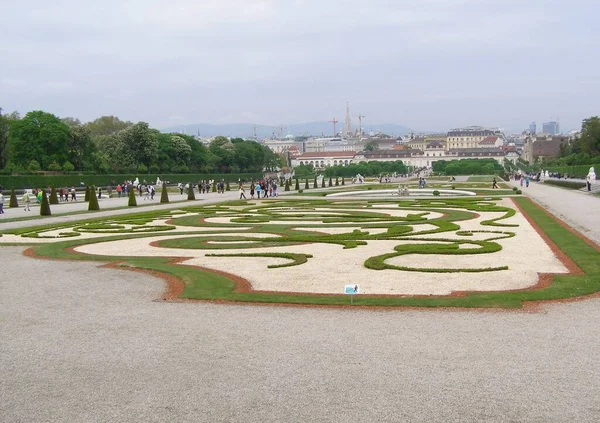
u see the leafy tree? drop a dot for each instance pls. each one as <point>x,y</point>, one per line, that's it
<point>371,146</point>
<point>80,145</point>
<point>164,194</point>
<point>107,125</point>
<point>38,136</point>
<point>68,167</point>
<point>33,166</point>
<point>54,167</point>
<point>589,141</point>
<point>93,205</point>
<point>140,146</point>
<point>45,206</point>
<point>53,197</point>
<point>132,201</point>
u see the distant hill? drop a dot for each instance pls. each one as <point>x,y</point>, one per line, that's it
<point>246,130</point>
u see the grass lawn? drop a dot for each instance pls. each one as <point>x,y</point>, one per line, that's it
<point>484,178</point>
<point>203,285</point>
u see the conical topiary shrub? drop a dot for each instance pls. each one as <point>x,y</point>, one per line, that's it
<point>337,181</point>
<point>192,195</point>
<point>287,185</point>
<point>343,182</point>
<point>93,204</point>
<point>87,194</point>
<point>45,207</point>
<point>330,182</point>
<point>132,201</point>
<point>13,199</point>
<point>227,187</point>
<point>323,182</point>
<point>164,195</point>
<point>53,197</point>
<point>297,187</point>
<point>315,183</point>
<point>214,188</point>
<point>306,184</point>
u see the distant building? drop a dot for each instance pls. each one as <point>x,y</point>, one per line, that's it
<point>468,137</point>
<point>551,128</point>
<point>543,146</point>
<point>532,128</point>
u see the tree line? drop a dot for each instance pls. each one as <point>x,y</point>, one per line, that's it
<point>41,141</point>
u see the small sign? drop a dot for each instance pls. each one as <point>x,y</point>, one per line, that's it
<point>351,289</point>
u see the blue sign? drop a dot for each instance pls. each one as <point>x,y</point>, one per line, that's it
<point>351,289</point>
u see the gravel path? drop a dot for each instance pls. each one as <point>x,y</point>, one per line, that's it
<point>84,344</point>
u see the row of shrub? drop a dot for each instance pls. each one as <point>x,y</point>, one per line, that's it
<point>579,171</point>
<point>565,183</point>
<point>40,180</point>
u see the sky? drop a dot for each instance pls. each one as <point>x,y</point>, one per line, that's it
<point>427,64</point>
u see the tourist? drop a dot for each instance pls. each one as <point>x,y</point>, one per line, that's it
<point>527,182</point>
<point>275,193</point>
<point>152,192</point>
<point>27,200</point>
<point>73,194</point>
<point>252,190</point>
<point>99,193</point>
<point>494,183</point>
<point>119,190</point>
<point>1,203</point>
<point>242,193</point>
<point>257,189</point>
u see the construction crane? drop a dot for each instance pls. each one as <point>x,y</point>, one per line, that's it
<point>334,121</point>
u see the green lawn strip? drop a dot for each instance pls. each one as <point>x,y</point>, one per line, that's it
<point>483,178</point>
<point>296,259</point>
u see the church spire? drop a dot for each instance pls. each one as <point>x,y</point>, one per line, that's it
<point>347,122</point>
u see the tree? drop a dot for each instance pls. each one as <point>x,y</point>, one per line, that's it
<point>13,199</point>
<point>164,194</point>
<point>53,197</point>
<point>140,146</point>
<point>287,185</point>
<point>181,150</point>
<point>93,205</point>
<point>191,194</point>
<point>80,145</point>
<point>371,146</point>
<point>106,125</point>
<point>132,201</point>
<point>38,136</point>
<point>6,121</point>
<point>45,207</point>
<point>589,141</point>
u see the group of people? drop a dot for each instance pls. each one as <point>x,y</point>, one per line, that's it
<point>422,182</point>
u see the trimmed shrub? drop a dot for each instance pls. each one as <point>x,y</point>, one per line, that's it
<point>93,204</point>
<point>337,181</point>
<point>300,191</point>
<point>519,191</point>
<point>287,185</point>
<point>297,187</point>
<point>227,187</point>
<point>306,184</point>
<point>132,201</point>
<point>453,187</point>
<point>214,189</point>
<point>330,182</point>
<point>87,193</point>
<point>13,199</point>
<point>53,197</point>
<point>515,189</point>
<point>323,182</point>
<point>436,193</point>
<point>45,207</point>
<point>164,195</point>
<point>315,183</point>
<point>192,195</point>
<point>343,181</point>
<point>68,167</point>
<point>566,183</point>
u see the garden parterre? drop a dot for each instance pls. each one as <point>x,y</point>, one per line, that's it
<point>418,252</point>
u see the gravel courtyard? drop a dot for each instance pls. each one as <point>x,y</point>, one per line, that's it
<point>86,344</point>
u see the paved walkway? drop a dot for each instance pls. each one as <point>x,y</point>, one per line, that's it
<point>579,209</point>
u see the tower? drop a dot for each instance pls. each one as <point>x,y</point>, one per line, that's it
<point>347,122</point>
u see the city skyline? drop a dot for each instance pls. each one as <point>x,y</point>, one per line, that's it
<point>430,65</point>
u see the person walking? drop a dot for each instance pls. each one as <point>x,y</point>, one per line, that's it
<point>527,182</point>
<point>119,190</point>
<point>494,183</point>
<point>252,190</point>
<point>242,192</point>
<point>27,201</point>
<point>1,203</point>
<point>257,190</point>
<point>73,194</point>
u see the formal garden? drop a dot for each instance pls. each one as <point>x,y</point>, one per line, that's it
<point>479,251</point>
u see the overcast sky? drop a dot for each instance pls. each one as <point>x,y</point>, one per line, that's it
<point>427,64</point>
